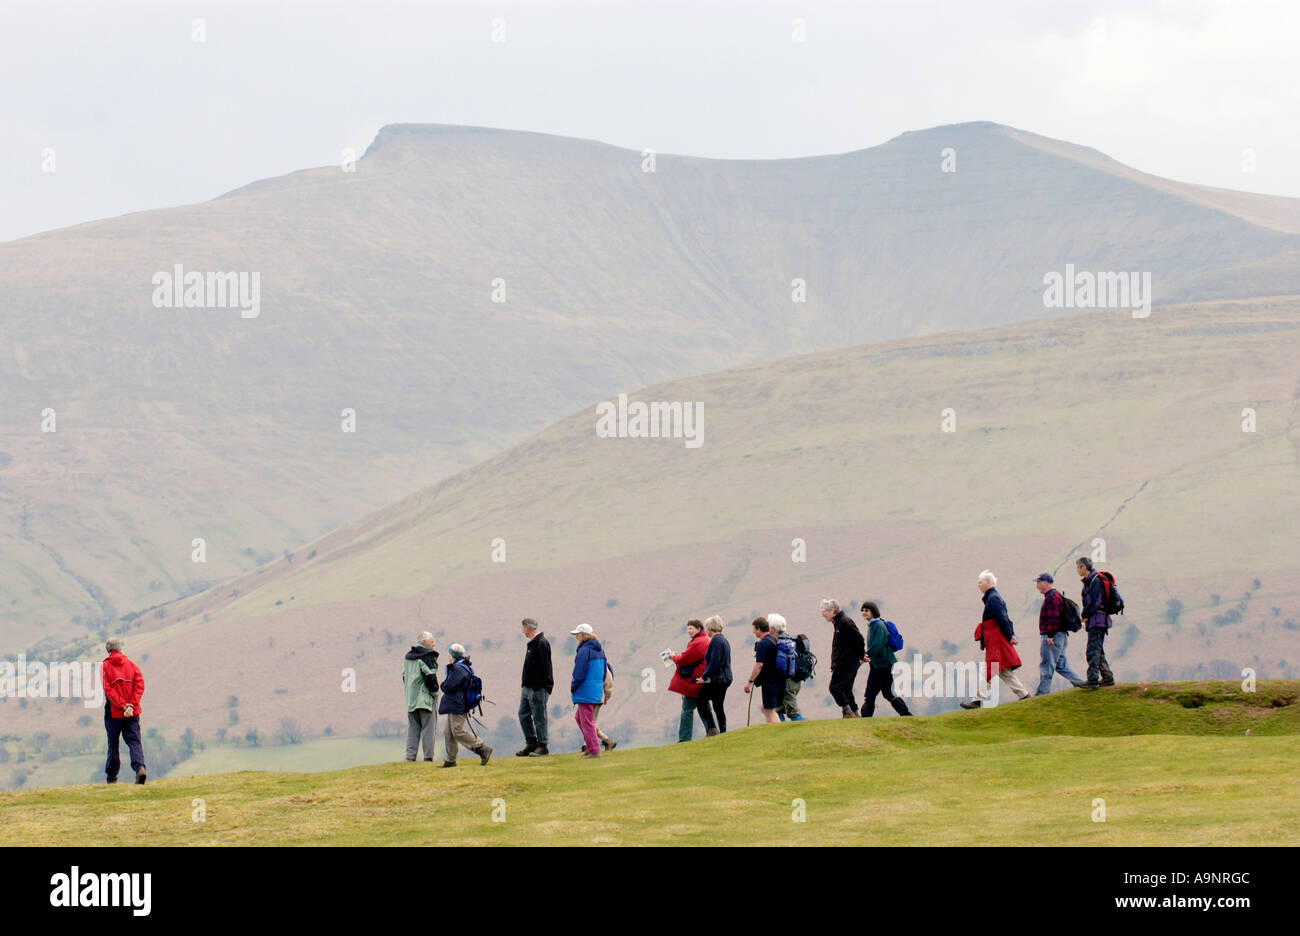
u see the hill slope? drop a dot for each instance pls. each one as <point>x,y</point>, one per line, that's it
<point>1068,431</point>
<point>377,296</point>
<point>1175,765</point>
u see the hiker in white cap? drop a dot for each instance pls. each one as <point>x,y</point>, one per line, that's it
<point>588,688</point>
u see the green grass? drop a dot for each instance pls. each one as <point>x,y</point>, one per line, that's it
<point>315,755</point>
<point>1177,764</point>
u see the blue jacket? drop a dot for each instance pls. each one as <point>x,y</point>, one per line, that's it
<point>1093,609</point>
<point>588,673</point>
<point>995,609</point>
<point>454,685</point>
<point>717,662</point>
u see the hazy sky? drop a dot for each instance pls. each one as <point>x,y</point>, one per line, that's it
<point>141,116</point>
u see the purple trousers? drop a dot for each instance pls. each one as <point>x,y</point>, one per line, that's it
<point>586,718</point>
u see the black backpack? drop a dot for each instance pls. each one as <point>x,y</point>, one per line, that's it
<point>1111,602</point>
<point>805,660</point>
<point>1070,620</point>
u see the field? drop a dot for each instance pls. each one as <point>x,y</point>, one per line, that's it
<point>1175,764</point>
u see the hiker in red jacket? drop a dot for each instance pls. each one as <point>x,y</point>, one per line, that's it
<point>123,687</point>
<point>996,636</point>
<point>690,663</point>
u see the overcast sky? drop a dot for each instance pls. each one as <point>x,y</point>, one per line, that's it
<point>139,115</point>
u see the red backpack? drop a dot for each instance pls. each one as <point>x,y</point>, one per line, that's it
<point>1111,601</point>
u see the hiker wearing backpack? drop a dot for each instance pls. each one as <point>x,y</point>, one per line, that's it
<point>848,650</point>
<point>1056,619</point>
<point>764,674</point>
<point>690,664</point>
<point>462,693</point>
<point>996,636</point>
<point>420,677</point>
<point>882,640</point>
<point>588,686</point>
<point>787,660</point>
<point>717,672</point>
<point>536,684</point>
<point>1099,594</point>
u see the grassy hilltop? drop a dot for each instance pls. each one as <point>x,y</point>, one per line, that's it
<point>1176,763</point>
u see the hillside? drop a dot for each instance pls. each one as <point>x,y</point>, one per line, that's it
<point>1067,430</point>
<point>376,296</point>
<point>1175,764</point>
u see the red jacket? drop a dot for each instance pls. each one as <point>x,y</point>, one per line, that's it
<point>997,649</point>
<point>692,656</point>
<point>123,683</point>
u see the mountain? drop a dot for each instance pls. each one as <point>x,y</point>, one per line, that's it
<point>376,291</point>
<point>1093,434</point>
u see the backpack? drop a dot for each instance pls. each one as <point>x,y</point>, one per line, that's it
<point>609,684</point>
<point>805,660</point>
<point>1070,620</point>
<point>474,689</point>
<point>895,638</point>
<point>1111,601</point>
<point>786,657</point>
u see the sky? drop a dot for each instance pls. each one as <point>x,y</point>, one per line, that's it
<point>111,107</point>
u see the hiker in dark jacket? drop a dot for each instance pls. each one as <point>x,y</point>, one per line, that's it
<point>880,678</point>
<point>848,650</point>
<point>1092,608</point>
<point>420,677</point>
<point>716,679</point>
<point>1052,637</point>
<point>765,675</point>
<point>587,687</point>
<point>537,683</point>
<point>455,705</point>
<point>997,636</point>
<point>123,686</point>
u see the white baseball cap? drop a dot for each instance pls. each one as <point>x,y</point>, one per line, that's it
<point>583,629</point>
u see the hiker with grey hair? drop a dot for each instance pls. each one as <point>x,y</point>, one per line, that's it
<point>996,636</point>
<point>455,704</point>
<point>1092,609</point>
<point>420,677</point>
<point>788,710</point>
<point>123,686</point>
<point>848,650</point>
<point>536,684</point>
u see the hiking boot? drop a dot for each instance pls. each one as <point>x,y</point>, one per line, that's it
<point>796,718</point>
<point>973,703</point>
<point>539,751</point>
<point>141,776</point>
<point>847,712</point>
<point>1107,682</point>
<point>710,732</point>
<point>530,745</point>
<point>484,754</point>
<point>609,744</point>
<point>586,754</point>
<point>1089,685</point>
<point>448,763</point>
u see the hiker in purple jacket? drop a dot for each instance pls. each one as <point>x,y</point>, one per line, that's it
<point>1093,611</point>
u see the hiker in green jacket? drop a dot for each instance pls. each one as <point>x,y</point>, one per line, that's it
<point>420,677</point>
<point>882,659</point>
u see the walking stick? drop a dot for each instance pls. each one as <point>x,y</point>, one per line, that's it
<point>749,708</point>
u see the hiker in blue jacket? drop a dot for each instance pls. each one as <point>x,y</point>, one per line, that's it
<point>588,686</point>
<point>1093,611</point>
<point>455,705</point>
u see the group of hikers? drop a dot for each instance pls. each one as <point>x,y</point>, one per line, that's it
<point>702,672</point>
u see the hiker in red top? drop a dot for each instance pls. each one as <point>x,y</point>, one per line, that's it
<point>690,664</point>
<point>996,636</point>
<point>123,687</point>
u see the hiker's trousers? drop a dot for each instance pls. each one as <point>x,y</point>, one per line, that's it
<point>457,733</point>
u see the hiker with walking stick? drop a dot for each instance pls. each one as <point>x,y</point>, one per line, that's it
<point>765,674</point>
